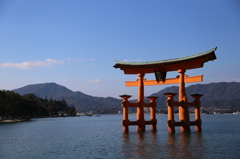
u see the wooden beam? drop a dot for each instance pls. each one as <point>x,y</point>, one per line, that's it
<point>198,63</point>
<point>167,81</point>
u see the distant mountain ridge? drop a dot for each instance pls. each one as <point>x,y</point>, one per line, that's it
<point>45,90</point>
<point>80,100</point>
<point>220,94</point>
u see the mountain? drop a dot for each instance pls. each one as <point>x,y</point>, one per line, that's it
<point>80,100</point>
<point>220,94</point>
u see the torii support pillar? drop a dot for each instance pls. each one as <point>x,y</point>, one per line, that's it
<point>153,112</point>
<point>170,104</point>
<point>140,108</point>
<point>126,122</point>
<point>183,109</point>
<point>197,111</point>
<point>125,103</point>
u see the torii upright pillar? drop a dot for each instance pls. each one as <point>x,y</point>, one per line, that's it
<point>140,108</point>
<point>183,108</point>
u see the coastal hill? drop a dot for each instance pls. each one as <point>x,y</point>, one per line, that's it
<point>219,95</point>
<point>80,100</point>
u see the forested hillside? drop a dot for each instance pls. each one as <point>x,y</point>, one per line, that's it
<point>13,105</point>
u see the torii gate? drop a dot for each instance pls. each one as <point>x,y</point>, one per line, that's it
<point>160,69</point>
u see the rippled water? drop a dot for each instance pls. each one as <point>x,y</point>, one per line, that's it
<point>102,137</point>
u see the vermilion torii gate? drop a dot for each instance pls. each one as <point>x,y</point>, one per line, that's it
<point>160,69</point>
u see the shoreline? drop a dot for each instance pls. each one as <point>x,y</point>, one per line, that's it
<point>13,120</point>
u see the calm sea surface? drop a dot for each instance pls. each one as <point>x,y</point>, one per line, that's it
<point>102,137</point>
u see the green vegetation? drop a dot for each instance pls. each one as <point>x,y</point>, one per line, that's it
<point>13,105</point>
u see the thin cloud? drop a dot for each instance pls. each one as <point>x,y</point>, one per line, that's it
<point>236,80</point>
<point>69,59</point>
<point>134,60</point>
<point>223,77</point>
<point>225,80</point>
<point>32,65</point>
<point>94,81</point>
<point>83,59</point>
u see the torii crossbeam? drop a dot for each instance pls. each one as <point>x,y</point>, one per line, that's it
<point>160,69</point>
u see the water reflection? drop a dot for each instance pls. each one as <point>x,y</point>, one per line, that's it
<point>185,145</point>
<point>154,145</point>
<point>140,145</point>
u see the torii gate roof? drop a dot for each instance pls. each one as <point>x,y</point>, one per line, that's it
<point>188,62</point>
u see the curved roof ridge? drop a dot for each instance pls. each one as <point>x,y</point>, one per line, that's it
<point>168,60</point>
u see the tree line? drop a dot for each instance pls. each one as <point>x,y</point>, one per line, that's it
<point>13,105</point>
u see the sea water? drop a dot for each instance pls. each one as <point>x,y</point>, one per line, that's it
<point>102,137</point>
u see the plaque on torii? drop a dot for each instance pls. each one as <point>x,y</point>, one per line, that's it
<point>160,69</point>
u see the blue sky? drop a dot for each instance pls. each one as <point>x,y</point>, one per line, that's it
<point>75,43</point>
